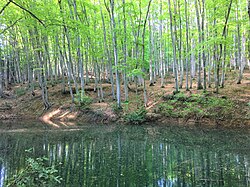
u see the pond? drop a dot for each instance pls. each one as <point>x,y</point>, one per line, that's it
<point>156,155</point>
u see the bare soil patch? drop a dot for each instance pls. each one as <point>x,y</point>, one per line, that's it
<point>28,106</point>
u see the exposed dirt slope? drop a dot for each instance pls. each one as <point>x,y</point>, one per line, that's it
<point>21,104</point>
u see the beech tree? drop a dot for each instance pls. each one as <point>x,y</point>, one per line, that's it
<point>110,9</point>
<point>77,43</point>
<point>174,47</point>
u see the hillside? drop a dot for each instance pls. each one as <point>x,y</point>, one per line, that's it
<point>230,108</point>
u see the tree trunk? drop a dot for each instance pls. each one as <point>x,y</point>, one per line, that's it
<point>174,48</point>
<point>114,40</point>
<point>199,85</point>
<point>151,53</point>
<point>42,74</point>
<point>64,55</point>
<point>61,61</point>
<point>192,64</point>
<point>187,45</point>
<point>203,45</point>
<point>221,46</point>
<point>125,52</point>
<point>6,73</point>
<point>109,66</point>
<point>143,52</point>
<point>242,60</point>
<point>161,48</point>
<point>239,46</point>
<point>180,47</point>
<point>47,57</point>
<point>224,66</point>
<point>79,54</point>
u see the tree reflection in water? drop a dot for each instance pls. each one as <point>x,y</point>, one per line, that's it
<point>2,173</point>
<point>135,156</point>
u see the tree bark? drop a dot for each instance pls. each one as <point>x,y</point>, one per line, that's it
<point>203,46</point>
<point>125,51</point>
<point>161,48</point>
<point>107,52</point>
<point>151,53</point>
<point>42,75</point>
<point>143,52</point>
<point>187,45</point>
<point>199,85</point>
<point>174,48</point>
<point>79,54</point>
<point>221,46</point>
<point>114,40</point>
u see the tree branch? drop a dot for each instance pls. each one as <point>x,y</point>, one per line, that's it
<point>225,27</point>
<point>249,9</point>
<point>33,15</point>
<point>10,26</point>
<point>227,17</point>
<point>107,7</point>
<point>4,7</point>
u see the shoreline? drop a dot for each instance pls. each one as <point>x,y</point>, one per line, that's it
<point>94,117</point>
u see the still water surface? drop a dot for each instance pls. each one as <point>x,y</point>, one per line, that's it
<point>159,156</point>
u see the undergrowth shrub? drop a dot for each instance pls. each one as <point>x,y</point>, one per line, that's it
<point>219,107</point>
<point>117,110</point>
<point>136,117</point>
<point>20,91</point>
<point>180,97</point>
<point>192,110</point>
<point>83,101</point>
<point>196,106</point>
<point>37,172</point>
<point>167,109</point>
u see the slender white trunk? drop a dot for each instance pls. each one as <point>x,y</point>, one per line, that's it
<point>187,45</point>
<point>107,52</point>
<point>114,40</point>
<point>174,48</point>
<point>161,49</point>
<point>125,52</point>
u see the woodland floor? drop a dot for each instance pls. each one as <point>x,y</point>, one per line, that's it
<point>18,104</point>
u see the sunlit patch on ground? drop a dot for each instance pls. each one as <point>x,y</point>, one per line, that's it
<point>47,118</point>
<point>71,115</point>
<point>52,118</point>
